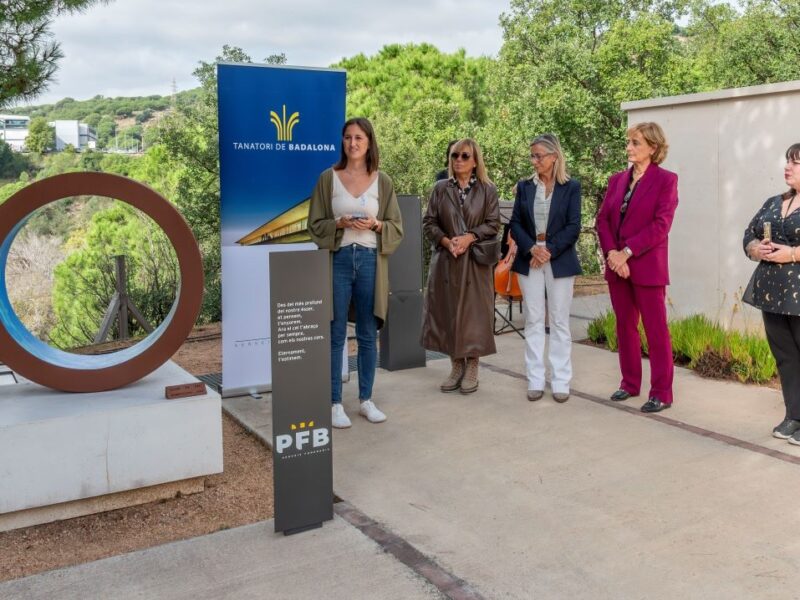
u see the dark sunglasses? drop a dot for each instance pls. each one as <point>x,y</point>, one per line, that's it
<point>463,155</point>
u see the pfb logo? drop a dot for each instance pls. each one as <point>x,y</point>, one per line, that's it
<point>283,126</point>
<point>304,437</point>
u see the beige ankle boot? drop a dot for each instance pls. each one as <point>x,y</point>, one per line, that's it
<point>453,381</point>
<point>469,383</point>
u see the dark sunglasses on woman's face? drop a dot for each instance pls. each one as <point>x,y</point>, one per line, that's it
<point>463,155</point>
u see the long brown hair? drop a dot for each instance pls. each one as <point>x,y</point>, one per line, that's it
<point>373,157</point>
<point>792,153</point>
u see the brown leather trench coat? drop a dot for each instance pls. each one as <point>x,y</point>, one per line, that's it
<point>459,301</point>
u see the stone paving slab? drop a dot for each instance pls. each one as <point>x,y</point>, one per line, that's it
<point>251,562</point>
<point>518,499</point>
<point>581,500</point>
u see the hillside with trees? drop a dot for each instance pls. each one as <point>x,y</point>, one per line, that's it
<point>118,122</point>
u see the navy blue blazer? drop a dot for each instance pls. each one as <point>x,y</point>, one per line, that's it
<point>563,227</point>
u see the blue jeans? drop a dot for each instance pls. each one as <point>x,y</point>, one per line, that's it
<point>354,278</point>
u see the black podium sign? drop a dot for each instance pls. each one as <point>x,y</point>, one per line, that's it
<point>300,308</point>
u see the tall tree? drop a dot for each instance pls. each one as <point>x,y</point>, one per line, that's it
<point>752,43</point>
<point>418,98</point>
<point>565,67</point>
<point>189,137</point>
<point>399,76</point>
<point>12,163</point>
<point>28,55</point>
<point>41,136</point>
<point>85,282</point>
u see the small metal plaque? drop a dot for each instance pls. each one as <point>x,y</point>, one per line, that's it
<point>184,390</point>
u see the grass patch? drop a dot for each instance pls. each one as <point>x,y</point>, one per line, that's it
<point>704,346</point>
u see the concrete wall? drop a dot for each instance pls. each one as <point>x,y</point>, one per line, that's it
<point>728,150</point>
<point>67,133</point>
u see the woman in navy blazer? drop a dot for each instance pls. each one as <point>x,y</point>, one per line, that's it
<point>545,225</point>
<point>633,226</point>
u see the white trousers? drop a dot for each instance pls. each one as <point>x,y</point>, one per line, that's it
<point>559,300</point>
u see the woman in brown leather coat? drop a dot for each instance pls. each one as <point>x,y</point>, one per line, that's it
<point>459,301</point>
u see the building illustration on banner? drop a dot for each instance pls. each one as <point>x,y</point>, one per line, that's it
<point>289,227</point>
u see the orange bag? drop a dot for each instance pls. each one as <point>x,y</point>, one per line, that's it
<point>505,281</point>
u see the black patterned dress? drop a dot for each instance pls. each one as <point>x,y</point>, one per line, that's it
<point>775,287</point>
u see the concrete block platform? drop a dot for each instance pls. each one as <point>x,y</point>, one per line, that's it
<point>58,448</point>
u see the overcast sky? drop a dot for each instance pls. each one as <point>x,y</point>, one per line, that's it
<point>137,47</point>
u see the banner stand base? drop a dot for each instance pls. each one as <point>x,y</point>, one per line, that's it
<point>302,529</point>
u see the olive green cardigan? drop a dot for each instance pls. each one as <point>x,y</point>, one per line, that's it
<point>322,227</point>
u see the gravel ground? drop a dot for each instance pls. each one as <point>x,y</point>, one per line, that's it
<point>240,495</point>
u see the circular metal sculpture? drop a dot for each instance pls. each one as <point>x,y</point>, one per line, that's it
<point>54,368</point>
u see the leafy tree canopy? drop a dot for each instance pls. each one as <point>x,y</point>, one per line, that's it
<point>400,76</point>
<point>41,136</point>
<point>760,44</point>
<point>28,55</point>
<point>565,67</point>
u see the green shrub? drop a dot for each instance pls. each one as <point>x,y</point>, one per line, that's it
<point>603,330</point>
<point>703,345</point>
<point>692,337</point>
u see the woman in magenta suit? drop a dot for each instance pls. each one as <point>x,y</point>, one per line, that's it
<point>633,226</point>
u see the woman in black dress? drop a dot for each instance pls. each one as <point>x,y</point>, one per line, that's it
<point>772,238</point>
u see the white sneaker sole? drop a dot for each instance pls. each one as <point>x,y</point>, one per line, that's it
<point>373,420</point>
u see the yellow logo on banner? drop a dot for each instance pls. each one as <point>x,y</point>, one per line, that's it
<point>305,438</point>
<point>283,126</point>
<point>302,425</point>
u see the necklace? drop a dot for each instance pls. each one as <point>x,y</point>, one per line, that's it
<point>789,207</point>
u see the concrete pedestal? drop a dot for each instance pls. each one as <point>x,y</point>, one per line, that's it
<point>58,448</point>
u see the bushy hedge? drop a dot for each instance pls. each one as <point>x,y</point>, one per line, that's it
<point>704,346</point>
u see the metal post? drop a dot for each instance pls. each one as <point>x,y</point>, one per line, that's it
<point>122,292</point>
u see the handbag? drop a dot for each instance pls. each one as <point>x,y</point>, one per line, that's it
<point>506,282</point>
<point>485,252</point>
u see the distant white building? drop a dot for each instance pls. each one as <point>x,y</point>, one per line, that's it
<point>14,130</point>
<point>79,135</point>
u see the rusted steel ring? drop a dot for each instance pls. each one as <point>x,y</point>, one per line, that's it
<point>43,364</point>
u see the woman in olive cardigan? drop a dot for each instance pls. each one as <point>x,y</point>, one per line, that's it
<point>359,155</point>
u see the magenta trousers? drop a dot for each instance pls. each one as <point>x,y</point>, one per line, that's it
<point>630,302</point>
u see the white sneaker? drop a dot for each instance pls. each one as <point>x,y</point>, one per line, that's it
<point>371,412</point>
<point>339,418</point>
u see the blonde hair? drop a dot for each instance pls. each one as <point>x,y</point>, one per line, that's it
<point>480,167</point>
<point>654,136</point>
<point>550,141</point>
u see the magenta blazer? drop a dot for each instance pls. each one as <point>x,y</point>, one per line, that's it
<point>646,226</point>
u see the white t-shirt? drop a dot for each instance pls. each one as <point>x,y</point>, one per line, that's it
<point>345,204</point>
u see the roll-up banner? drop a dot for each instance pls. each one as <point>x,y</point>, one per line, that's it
<point>301,388</point>
<point>279,128</point>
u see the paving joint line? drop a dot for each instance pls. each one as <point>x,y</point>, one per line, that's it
<point>700,431</point>
<point>448,584</point>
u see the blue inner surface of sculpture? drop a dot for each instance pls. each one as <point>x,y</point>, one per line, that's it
<point>54,356</point>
